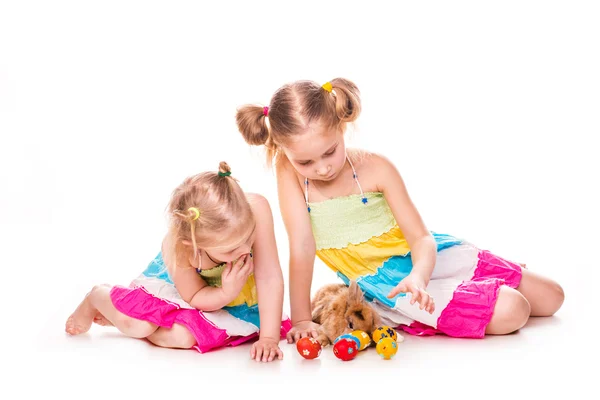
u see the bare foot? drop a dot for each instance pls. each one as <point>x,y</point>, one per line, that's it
<point>81,320</point>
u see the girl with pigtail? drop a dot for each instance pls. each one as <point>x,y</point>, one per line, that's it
<point>351,208</point>
<point>201,291</point>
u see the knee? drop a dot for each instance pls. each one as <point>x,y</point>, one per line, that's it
<point>517,310</point>
<point>521,311</point>
<point>557,298</point>
<point>134,328</point>
<point>172,339</point>
<point>100,289</point>
<point>184,341</point>
<point>511,313</point>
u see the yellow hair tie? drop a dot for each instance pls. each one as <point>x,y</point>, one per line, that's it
<point>327,86</point>
<point>196,212</point>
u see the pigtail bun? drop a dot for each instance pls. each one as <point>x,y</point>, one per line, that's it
<point>347,99</point>
<point>252,124</point>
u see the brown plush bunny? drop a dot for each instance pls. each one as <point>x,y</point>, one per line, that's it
<point>341,309</point>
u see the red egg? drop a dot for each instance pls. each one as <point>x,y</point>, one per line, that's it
<point>345,349</point>
<point>308,348</point>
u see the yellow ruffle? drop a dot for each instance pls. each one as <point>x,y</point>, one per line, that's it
<point>365,258</point>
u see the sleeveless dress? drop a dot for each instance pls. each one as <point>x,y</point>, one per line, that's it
<point>152,297</point>
<point>357,237</point>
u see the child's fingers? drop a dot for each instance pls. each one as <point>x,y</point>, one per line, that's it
<point>289,336</point>
<point>431,305</point>
<point>397,290</point>
<point>272,354</point>
<point>226,271</point>
<point>240,261</point>
<point>250,263</point>
<point>305,333</point>
<point>314,333</point>
<point>253,351</point>
<point>267,356</point>
<point>415,294</point>
<point>279,353</point>
<point>424,300</point>
<point>259,353</point>
<point>247,268</point>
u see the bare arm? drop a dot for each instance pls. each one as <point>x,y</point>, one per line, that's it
<point>301,242</point>
<point>267,271</point>
<point>421,242</point>
<point>192,288</point>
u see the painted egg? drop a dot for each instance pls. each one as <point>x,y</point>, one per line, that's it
<point>349,337</point>
<point>383,332</point>
<point>345,349</point>
<point>308,348</point>
<point>363,338</point>
<point>387,348</point>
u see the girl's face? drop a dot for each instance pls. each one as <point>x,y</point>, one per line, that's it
<point>231,252</point>
<point>318,153</point>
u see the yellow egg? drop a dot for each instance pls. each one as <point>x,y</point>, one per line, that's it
<point>363,337</point>
<point>383,332</point>
<point>387,348</point>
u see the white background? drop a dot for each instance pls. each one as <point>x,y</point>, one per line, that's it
<point>489,110</point>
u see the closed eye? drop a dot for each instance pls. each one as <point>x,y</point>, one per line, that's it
<point>330,153</point>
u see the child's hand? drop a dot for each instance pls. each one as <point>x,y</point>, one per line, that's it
<point>234,277</point>
<point>416,285</point>
<point>303,329</point>
<point>266,349</point>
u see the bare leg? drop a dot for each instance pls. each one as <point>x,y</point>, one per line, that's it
<point>510,313</point>
<point>178,337</point>
<point>98,301</point>
<point>101,320</point>
<point>544,295</point>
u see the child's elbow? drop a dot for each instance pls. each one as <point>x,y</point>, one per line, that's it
<point>303,250</point>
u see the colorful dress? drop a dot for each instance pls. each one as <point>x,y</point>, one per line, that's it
<point>152,297</point>
<point>357,236</point>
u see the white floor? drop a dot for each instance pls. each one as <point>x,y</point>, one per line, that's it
<point>548,357</point>
<point>541,358</point>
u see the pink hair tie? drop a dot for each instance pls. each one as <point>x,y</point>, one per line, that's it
<point>265,111</point>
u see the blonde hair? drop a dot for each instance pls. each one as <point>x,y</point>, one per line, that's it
<point>293,107</point>
<point>207,209</point>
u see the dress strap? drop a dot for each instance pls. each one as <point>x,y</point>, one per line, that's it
<point>354,175</point>
<point>362,194</point>
<point>306,193</point>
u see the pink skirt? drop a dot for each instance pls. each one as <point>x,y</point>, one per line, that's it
<point>157,301</point>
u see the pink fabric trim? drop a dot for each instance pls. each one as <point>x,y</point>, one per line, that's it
<point>138,303</point>
<point>473,302</point>
<point>286,326</point>
<point>419,329</point>
<point>490,266</point>
<point>470,310</point>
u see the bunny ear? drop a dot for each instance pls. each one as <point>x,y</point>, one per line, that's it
<point>355,295</point>
<point>376,322</point>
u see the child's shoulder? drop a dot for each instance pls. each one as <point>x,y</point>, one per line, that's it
<point>369,162</point>
<point>286,172</point>
<point>259,203</point>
